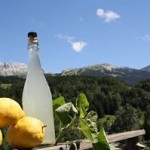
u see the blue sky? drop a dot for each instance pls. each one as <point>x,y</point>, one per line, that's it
<point>77,33</point>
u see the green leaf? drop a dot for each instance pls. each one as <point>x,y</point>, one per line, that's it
<point>89,126</point>
<point>103,143</point>
<point>82,101</point>
<point>92,115</point>
<point>102,136</point>
<point>57,102</point>
<point>82,104</point>
<point>82,111</point>
<point>91,120</point>
<point>86,130</point>
<point>66,112</point>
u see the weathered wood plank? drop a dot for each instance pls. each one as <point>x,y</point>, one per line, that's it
<point>86,144</point>
<point>125,135</point>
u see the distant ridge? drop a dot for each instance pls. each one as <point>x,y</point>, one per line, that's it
<point>147,68</point>
<point>13,69</point>
<point>129,75</point>
<point>98,69</point>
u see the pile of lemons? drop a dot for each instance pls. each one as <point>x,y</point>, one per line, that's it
<point>23,132</point>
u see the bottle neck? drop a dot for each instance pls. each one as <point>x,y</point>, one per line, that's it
<point>33,47</point>
<point>34,61</point>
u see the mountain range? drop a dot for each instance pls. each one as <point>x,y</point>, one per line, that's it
<point>129,75</point>
<point>13,69</point>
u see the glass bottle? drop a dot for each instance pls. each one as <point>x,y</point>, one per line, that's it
<point>37,98</point>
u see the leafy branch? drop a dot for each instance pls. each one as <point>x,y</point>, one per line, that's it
<point>68,115</point>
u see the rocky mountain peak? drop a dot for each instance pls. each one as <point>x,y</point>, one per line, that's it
<point>13,69</point>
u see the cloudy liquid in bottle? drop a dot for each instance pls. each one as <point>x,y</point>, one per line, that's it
<point>37,98</point>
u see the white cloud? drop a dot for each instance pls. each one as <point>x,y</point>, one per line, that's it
<point>76,45</point>
<point>108,16</point>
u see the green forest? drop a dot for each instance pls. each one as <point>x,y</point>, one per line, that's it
<point>120,107</point>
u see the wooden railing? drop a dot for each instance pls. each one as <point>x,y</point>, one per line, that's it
<point>132,138</point>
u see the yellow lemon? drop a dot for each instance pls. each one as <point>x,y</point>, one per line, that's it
<point>10,112</point>
<point>27,133</point>
<point>1,138</point>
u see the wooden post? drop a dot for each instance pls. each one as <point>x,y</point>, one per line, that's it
<point>131,143</point>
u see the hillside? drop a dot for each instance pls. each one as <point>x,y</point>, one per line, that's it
<point>147,68</point>
<point>129,75</point>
